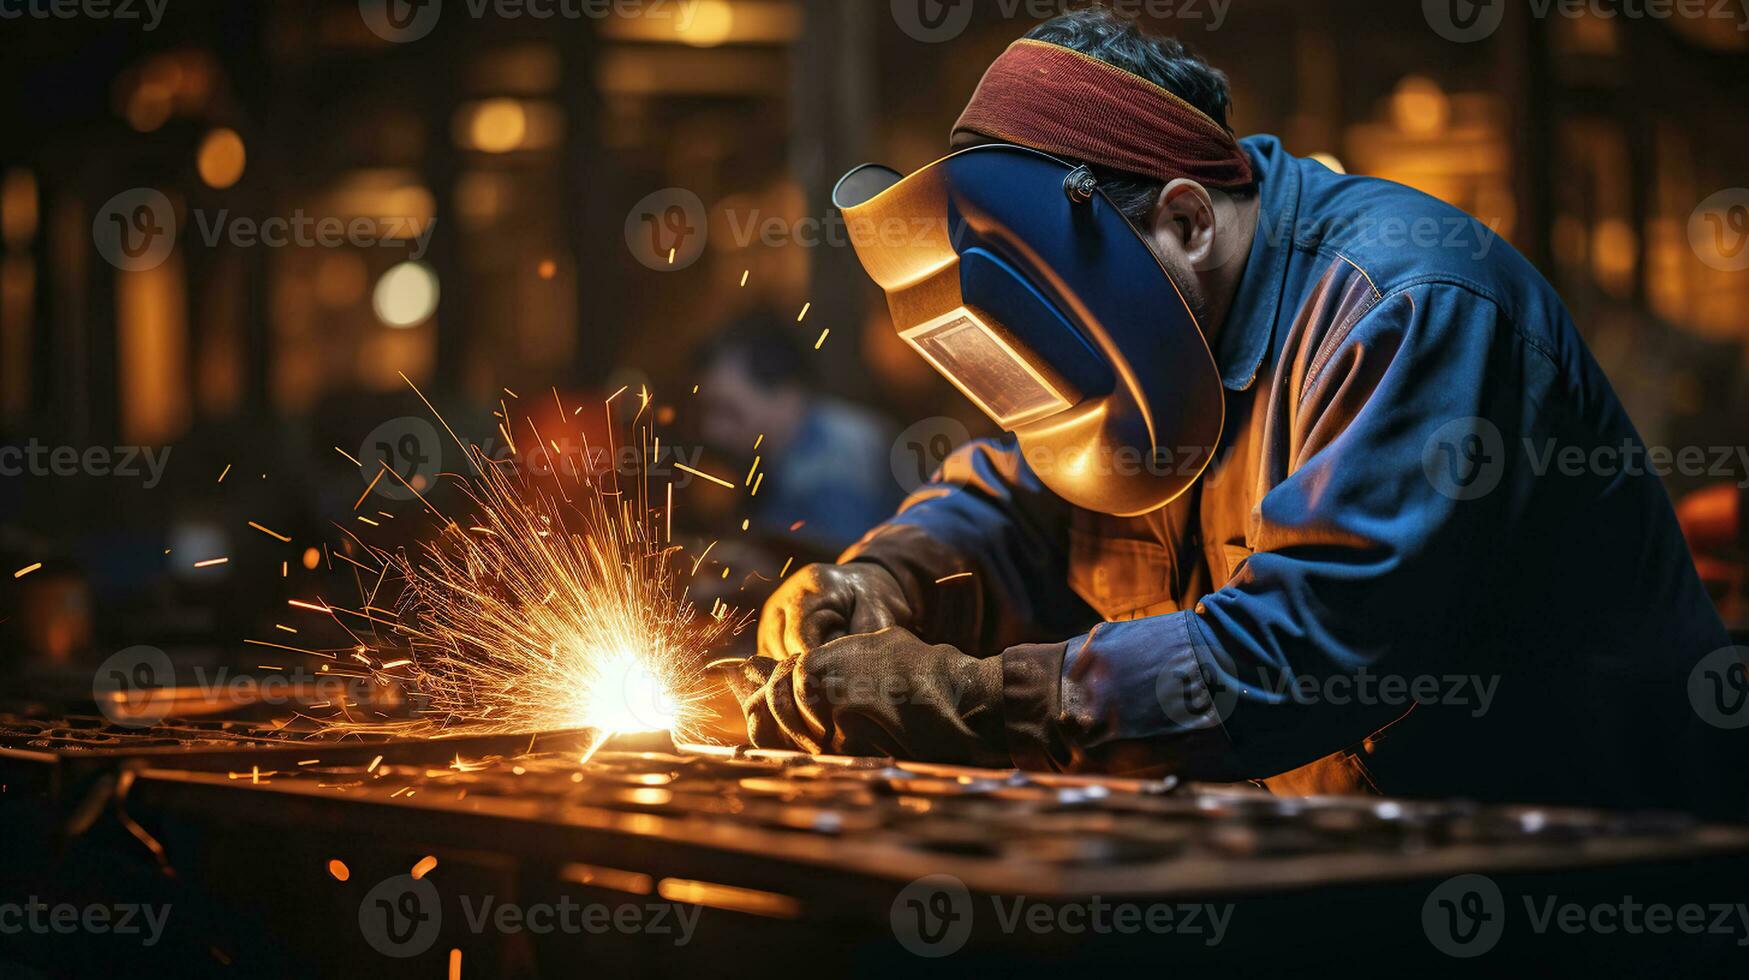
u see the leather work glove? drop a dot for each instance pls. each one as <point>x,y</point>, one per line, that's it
<point>821,603</point>
<point>885,693</point>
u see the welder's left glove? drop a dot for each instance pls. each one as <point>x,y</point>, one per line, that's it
<point>885,693</point>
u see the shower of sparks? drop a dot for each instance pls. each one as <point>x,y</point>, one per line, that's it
<point>556,603</point>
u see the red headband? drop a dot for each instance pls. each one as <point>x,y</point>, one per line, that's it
<point>1063,102</point>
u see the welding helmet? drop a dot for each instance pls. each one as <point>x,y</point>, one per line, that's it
<point>1020,282</point>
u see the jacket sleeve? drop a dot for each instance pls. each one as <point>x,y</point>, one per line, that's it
<point>984,513</point>
<point>1377,523</point>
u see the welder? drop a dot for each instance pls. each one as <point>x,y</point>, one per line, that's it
<point>1268,434</point>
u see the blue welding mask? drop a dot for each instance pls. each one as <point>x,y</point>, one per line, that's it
<point>1021,283</point>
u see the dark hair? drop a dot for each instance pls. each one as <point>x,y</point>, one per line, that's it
<point>763,344</point>
<point>1102,33</point>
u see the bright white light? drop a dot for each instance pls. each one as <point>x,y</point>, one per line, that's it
<point>626,696</point>
<point>406,295</point>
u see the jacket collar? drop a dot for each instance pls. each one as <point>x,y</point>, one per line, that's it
<point>1244,340</point>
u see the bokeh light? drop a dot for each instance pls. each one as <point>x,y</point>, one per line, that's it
<point>221,158</point>
<point>498,126</point>
<point>406,295</point>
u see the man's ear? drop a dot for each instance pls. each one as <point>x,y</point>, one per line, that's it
<point>1185,215</point>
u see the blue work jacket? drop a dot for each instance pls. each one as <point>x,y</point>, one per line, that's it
<point>1432,557</point>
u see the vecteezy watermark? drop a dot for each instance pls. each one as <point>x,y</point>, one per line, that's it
<point>835,231</point>
<point>1471,237</point>
<point>1718,688</point>
<point>1465,917</point>
<point>933,917</point>
<point>1718,230</point>
<point>405,21</point>
<point>578,459</point>
<point>1464,21</point>
<point>133,688</point>
<point>40,918</point>
<point>150,13</point>
<point>1466,458</point>
<point>300,230</point>
<point>1192,699</point>
<point>921,449</point>
<point>401,458</point>
<point>137,687</point>
<point>403,916</point>
<point>937,21</point>
<point>668,229</point>
<point>136,230</point>
<point>123,462</point>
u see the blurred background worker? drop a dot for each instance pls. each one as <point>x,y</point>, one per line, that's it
<point>1269,462</point>
<point>826,477</point>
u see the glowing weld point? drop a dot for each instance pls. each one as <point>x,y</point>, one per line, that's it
<point>626,696</point>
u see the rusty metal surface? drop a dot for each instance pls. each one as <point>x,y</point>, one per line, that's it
<point>1000,831</point>
<point>52,751</point>
<point>237,827</point>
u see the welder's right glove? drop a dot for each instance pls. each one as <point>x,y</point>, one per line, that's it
<point>886,693</point>
<point>822,603</point>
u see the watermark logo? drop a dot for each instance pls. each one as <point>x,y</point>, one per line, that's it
<point>150,13</point>
<point>302,230</point>
<point>1464,21</point>
<point>668,229</point>
<point>38,917</point>
<point>1718,688</point>
<point>400,21</point>
<point>1718,231</point>
<point>133,688</point>
<point>401,458</point>
<point>1465,916</point>
<point>921,449</point>
<point>1192,702</point>
<point>135,231</point>
<point>401,917</point>
<point>932,21</point>
<point>144,463</point>
<point>932,916</point>
<point>1465,458</point>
